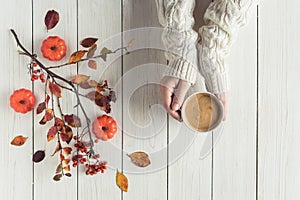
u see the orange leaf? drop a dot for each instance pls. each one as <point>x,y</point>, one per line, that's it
<point>66,134</point>
<point>67,168</point>
<point>67,150</point>
<point>76,56</point>
<point>92,64</point>
<point>79,78</point>
<point>51,133</point>
<point>47,117</point>
<point>55,89</point>
<point>140,159</point>
<point>122,181</point>
<point>88,42</point>
<point>59,123</point>
<point>19,140</point>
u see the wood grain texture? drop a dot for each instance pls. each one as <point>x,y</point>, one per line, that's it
<point>105,25</point>
<point>16,166</point>
<point>144,120</point>
<point>44,185</point>
<point>279,100</point>
<point>235,153</point>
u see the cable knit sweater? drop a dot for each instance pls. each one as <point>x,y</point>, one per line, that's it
<point>189,54</point>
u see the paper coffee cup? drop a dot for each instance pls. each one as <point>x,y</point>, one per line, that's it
<point>202,112</point>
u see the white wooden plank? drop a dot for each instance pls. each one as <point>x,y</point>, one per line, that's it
<point>144,119</point>
<point>44,186</point>
<point>234,156</point>
<point>102,19</point>
<point>190,175</point>
<point>16,167</point>
<point>279,100</point>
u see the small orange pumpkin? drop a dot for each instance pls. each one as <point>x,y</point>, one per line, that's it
<point>22,100</point>
<point>54,48</point>
<point>104,127</point>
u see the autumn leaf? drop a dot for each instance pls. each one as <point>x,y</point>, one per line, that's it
<point>38,156</point>
<point>41,107</point>
<point>66,134</point>
<point>93,83</point>
<point>92,64</point>
<point>88,42</point>
<point>59,123</point>
<point>131,42</point>
<point>51,19</point>
<point>91,51</point>
<point>79,78</point>
<point>59,168</point>
<point>67,150</point>
<point>55,89</point>
<point>92,95</point>
<point>73,120</point>
<point>57,177</point>
<point>76,56</point>
<point>104,53</point>
<point>68,174</point>
<point>67,168</point>
<point>85,85</point>
<point>140,159</point>
<point>47,117</point>
<point>67,161</point>
<point>51,133</point>
<point>57,148</point>
<point>19,140</point>
<point>122,181</point>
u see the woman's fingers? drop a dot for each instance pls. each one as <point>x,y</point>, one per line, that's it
<point>223,98</point>
<point>166,96</point>
<point>179,94</point>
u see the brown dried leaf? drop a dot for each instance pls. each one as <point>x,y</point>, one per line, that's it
<point>91,51</point>
<point>38,156</point>
<point>122,181</point>
<point>104,53</point>
<point>66,134</point>
<point>51,133</point>
<point>85,85</point>
<point>59,168</point>
<point>57,148</point>
<point>55,89</point>
<point>73,120</point>
<point>76,56</point>
<point>92,95</point>
<point>47,117</point>
<point>57,177</point>
<point>51,19</point>
<point>59,123</point>
<point>92,64</point>
<point>79,78</point>
<point>131,42</point>
<point>67,161</point>
<point>41,107</point>
<point>67,150</point>
<point>88,42</point>
<point>140,159</point>
<point>67,168</point>
<point>18,140</point>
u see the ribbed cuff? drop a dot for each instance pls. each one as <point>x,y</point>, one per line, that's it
<point>217,83</point>
<point>181,69</point>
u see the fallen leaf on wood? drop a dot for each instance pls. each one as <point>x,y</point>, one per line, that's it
<point>92,64</point>
<point>122,181</point>
<point>79,78</point>
<point>38,156</point>
<point>140,159</point>
<point>88,42</point>
<point>76,56</point>
<point>19,140</point>
<point>51,19</point>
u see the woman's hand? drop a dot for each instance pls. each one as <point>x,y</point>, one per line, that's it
<point>223,98</point>
<point>173,91</point>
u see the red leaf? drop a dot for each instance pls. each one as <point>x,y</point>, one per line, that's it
<point>41,107</point>
<point>88,42</point>
<point>92,64</point>
<point>19,140</point>
<point>51,133</point>
<point>68,174</point>
<point>55,89</point>
<point>38,156</point>
<point>67,150</point>
<point>57,148</point>
<point>66,134</point>
<point>51,19</point>
<point>73,120</point>
<point>47,99</point>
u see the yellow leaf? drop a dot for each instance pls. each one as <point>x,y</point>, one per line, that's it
<point>131,42</point>
<point>122,181</point>
<point>140,159</point>
<point>76,56</point>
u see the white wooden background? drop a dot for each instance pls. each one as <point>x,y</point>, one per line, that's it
<point>257,156</point>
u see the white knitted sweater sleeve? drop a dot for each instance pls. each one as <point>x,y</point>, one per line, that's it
<point>222,19</point>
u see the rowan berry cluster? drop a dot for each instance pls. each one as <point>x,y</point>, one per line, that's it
<point>37,73</point>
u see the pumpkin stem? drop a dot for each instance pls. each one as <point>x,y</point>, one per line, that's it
<point>22,102</point>
<point>104,128</point>
<point>53,48</point>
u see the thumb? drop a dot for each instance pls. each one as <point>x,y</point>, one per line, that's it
<point>179,94</point>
